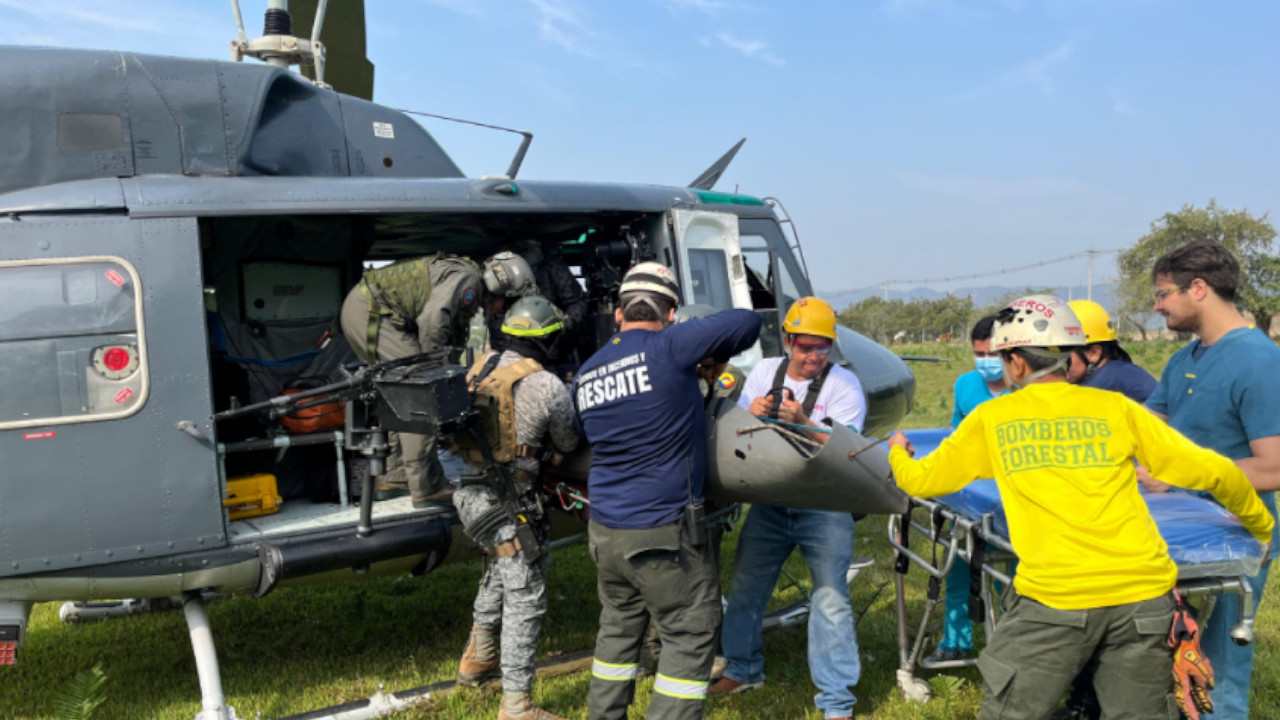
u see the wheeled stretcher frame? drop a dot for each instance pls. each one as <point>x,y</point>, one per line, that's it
<point>952,535</point>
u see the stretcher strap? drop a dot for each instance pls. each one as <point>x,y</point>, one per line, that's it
<point>902,562</point>
<point>935,582</point>
<point>977,609</point>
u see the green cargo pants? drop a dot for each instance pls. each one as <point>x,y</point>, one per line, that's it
<point>413,458</point>
<point>654,573</point>
<point>1037,650</point>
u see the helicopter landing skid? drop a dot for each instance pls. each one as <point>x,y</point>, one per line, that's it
<point>213,703</point>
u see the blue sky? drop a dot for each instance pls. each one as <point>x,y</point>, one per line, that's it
<point>908,138</point>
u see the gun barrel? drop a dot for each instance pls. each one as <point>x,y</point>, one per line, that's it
<point>289,402</point>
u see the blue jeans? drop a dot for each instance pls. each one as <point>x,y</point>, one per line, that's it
<point>1232,664</point>
<point>825,540</point>
<point>957,630</point>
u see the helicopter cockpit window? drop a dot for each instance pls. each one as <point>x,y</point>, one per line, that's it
<point>707,270</point>
<point>71,341</point>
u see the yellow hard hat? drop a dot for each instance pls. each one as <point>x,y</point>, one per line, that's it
<point>1094,320</point>
<point>811,316</point>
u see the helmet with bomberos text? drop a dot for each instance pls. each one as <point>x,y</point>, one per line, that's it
<point>1040,325</point>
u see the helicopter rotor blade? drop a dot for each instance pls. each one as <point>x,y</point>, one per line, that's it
<point>347,66</point>
<point>711,175</point>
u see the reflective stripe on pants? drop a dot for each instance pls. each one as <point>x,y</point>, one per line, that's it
<point>613,671</point>
<point>683,689</point>
<point>653,573</point>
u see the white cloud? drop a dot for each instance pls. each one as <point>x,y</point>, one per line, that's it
<point>560,23</point>
<point>757,49</point>
<point>990,190</point>
<point>1034,74</point>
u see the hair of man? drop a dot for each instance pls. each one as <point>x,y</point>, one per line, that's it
<point>983,329</point>
<point>1204,259</point>
<point>1035,363</point>
<point>641,312</point>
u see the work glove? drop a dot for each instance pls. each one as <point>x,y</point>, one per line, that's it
<point>1192,673</point>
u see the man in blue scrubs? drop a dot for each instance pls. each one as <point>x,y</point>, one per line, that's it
<point>973,388</point>
<point>1221,391</point>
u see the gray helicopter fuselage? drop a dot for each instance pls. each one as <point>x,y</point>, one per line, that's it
<point>171,231</point>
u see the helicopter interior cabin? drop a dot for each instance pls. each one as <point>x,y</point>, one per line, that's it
<point>274,285</point>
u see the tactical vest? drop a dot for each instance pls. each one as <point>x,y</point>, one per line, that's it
<point>493,397</point>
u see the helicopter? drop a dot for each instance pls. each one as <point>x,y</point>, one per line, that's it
<point>176,239</point>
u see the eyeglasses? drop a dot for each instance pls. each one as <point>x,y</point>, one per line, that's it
<point>1162,294</point>
<point>822,350</point>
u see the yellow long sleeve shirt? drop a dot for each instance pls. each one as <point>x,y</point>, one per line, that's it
<point>1062,456</point>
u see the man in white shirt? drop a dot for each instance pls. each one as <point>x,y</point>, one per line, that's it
<point>804,389</point>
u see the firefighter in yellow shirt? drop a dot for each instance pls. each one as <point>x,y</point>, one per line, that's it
<point>1094,584</point>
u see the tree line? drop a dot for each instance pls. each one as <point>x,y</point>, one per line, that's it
<point>1251,239</point>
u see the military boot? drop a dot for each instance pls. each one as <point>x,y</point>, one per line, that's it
<point>480,661</point>
<point>519,706</point>
<point>391,486</point>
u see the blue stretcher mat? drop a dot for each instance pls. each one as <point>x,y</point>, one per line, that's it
<point>1204,539</point>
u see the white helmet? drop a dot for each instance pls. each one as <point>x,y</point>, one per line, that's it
<point>1041,325</point>
<point>644,281</point>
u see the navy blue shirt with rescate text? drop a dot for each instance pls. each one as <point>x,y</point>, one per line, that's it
<point>638,403</point>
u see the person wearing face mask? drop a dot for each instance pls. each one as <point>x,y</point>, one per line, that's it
<point>973,388</point>
<point>986,380</point>
<point>1095,580</point>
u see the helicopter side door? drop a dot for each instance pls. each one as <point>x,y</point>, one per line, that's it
<point>103,359</point>
<point>711,268</point>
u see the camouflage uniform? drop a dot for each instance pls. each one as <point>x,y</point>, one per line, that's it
<point>513,594</point>
<point>438,311</point>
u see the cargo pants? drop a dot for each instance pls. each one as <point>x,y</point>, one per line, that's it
<point>1037,650</point>
<point>413,457</point>
<point>654,573</point>
<point>513,594</point>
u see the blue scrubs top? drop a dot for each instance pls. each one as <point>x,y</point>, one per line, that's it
<point>1226,398</point>
<point>971,391</point>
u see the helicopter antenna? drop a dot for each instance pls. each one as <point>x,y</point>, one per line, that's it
<point>278,46</point>
<point>516,161</point>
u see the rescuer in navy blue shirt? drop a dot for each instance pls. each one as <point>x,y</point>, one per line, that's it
<point>639,405</point>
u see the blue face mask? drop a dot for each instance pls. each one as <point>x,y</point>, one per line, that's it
<point>990,368</point>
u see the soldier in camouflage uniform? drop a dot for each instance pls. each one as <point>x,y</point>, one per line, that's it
<point>410,307</point>
<point>513,593</point>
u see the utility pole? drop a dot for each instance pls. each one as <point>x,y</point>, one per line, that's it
<point>886,291</point>
<point>1091,254</point>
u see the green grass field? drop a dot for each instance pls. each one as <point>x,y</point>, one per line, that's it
<point>304,648</point>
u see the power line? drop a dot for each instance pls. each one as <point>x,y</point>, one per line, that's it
<point>885,284</point>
